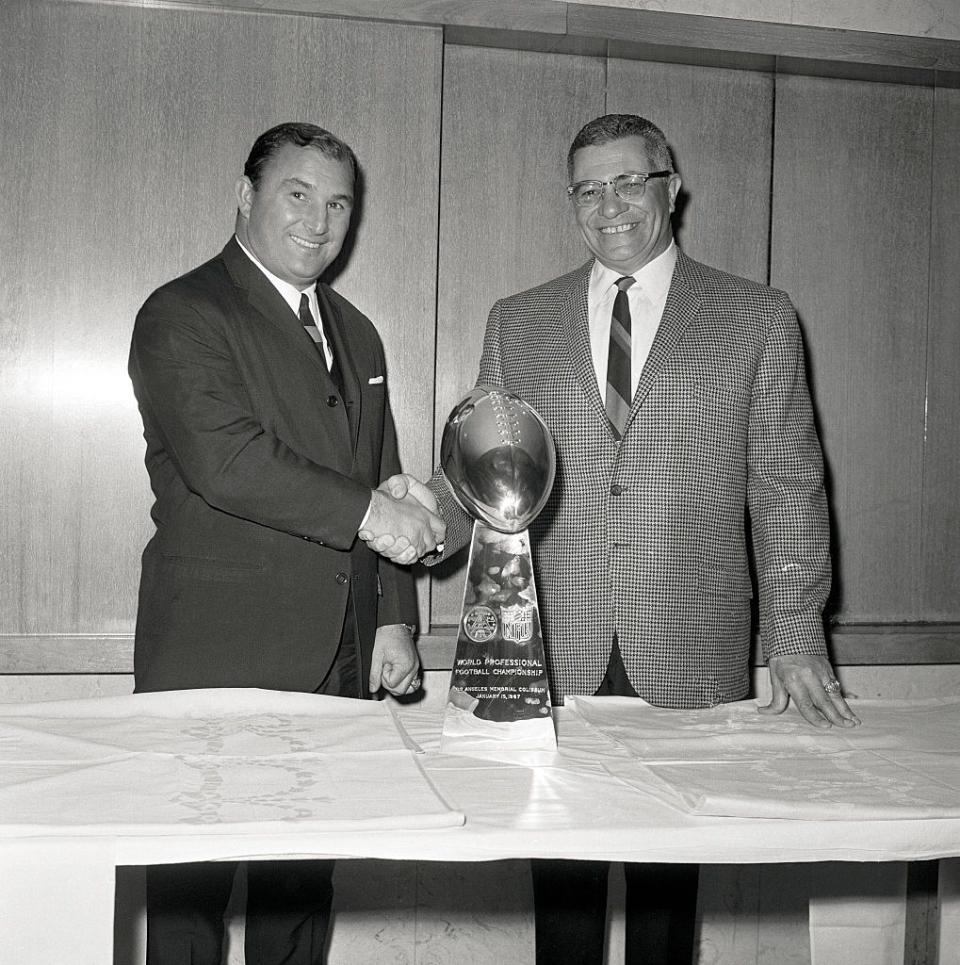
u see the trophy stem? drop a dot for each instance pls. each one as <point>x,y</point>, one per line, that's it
<point>498,689</point>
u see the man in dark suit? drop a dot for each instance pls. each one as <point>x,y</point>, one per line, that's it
<point>677,398</point>
<point>268,429</point>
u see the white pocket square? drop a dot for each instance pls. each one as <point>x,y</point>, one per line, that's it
<point>376,380</point>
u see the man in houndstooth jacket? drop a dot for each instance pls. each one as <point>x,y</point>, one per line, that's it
<point>641,552</point>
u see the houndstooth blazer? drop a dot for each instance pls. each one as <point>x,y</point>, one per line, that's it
<point>647,537</point>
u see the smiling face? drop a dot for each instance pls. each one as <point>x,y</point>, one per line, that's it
<point>297,217</point>
<point>624,235</point>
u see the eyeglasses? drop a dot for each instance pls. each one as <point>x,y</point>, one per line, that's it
<point>628,187</point>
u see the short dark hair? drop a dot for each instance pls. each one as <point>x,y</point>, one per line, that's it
<point>613,127</point>
<point>302,135</point>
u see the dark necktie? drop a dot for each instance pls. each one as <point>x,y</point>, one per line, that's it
<point>618,361</point>
<point>310,325</point>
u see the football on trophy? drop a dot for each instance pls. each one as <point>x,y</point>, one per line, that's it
<point>498,458</point>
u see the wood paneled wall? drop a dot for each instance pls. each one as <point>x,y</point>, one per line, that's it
<point>828,188</point>
<point>508,119</point>
<point>940,526</point>
<point>869,246</point>
<point>125,127</point>
<point>124,130</point>
<point>851,242</point>
<point>718,123</point>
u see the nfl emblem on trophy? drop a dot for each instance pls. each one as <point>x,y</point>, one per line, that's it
<point>499,461</point>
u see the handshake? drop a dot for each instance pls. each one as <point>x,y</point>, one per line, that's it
<point>403,522</point>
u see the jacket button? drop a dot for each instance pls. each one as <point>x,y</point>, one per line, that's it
<point>342,578</point>
<point>332,401</point>
<point>617,490</point>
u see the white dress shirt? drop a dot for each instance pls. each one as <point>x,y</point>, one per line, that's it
<point>291,295</point>
<point>647,297</point>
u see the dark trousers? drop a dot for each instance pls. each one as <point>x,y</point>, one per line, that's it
<point>288,912</point>
<point>570,897</point>
<point>288,902</point>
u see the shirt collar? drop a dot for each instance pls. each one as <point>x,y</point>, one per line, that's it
<point>290,293</point>
<point>653,279</point>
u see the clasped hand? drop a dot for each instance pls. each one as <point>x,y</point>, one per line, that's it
<point>404,523</point>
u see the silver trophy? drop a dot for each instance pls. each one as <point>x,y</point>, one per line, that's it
<point>499,458</point>
<point>499,461</point>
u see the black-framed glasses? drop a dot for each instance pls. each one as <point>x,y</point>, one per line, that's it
<point>628,187</point>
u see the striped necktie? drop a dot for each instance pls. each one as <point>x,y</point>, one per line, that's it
<point>310,325</point>
<point>619,395</point>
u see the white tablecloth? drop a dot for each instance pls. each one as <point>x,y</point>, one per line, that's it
<point>729,761</point>
<point>224,761</point>
<point>200,775</point>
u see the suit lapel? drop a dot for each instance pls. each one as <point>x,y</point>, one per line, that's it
<point>266,300</point>
<point>575,321</point>
<point>679,311</point>
<point>269,304</point>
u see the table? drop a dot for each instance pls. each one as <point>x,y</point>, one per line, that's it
<point>88,785</point>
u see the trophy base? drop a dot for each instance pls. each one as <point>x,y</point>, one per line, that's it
<point>499,694</point>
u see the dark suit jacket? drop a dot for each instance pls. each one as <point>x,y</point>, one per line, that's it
<point>262,473</point>
<point>646,537</point>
